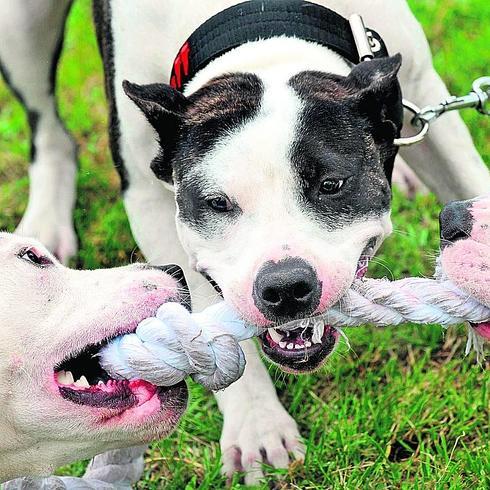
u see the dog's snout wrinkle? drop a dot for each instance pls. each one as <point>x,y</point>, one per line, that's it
<point>287,289</point>
<point>456,222</point>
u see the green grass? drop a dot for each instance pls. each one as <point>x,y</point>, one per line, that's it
<point>403,408</point>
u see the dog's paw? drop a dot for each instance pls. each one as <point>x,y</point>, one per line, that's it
<point>58,237</point>
<point>256,433</point>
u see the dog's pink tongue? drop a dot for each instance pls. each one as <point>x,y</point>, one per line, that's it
<point>483,329</point>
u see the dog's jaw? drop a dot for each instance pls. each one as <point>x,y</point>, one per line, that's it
<point>61,312</point>
<point>308,347</point>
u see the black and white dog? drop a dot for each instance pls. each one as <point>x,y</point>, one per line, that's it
<point>278,151</point>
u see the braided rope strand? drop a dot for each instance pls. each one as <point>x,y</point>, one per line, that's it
<point>175,344</point>
<point>381,302</point>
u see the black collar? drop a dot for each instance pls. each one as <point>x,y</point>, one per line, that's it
<point>264,19</point>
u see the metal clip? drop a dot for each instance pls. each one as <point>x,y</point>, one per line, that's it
<point>478,99</point>
<point>481,87</point>
<point>373,42</point>
<point>363,41</point>
<point>423,125</point>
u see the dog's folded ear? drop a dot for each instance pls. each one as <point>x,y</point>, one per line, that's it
<point>378,94</point>
<point>163,107</point>
<point>160,103</point>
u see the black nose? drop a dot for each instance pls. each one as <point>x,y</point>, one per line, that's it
<point>456,222</point>
<point>286,290</point>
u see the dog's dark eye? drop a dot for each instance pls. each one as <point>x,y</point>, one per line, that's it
<point>31,255</point>
<point>221,204</point>
<point>331,186</point>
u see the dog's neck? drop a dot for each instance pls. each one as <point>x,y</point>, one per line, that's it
<point>277,58</point>
<point>19,454</point>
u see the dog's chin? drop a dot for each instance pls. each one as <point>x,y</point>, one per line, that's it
<point>81,380</point>
<point>301,350</point>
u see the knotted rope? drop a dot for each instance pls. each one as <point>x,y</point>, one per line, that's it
<point>175,344</point>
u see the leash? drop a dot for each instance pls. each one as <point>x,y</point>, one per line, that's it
<point>478,98</point>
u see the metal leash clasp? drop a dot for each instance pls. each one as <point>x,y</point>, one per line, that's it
<point>478,98</point>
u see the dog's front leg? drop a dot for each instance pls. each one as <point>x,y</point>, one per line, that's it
<point>31,35</point>
<point>256,427</point>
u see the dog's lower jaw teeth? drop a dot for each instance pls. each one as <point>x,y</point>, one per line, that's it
<point>282,345</point>
<point>82,382</point>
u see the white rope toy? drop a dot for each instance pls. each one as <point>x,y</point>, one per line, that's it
<point>175,344</point>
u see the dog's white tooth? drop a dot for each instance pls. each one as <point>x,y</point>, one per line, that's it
<point>275,335</point>
<point>318,330</point>
<point>290,346</point>
<point>65,378</point>
<point>282,345</point>
<point>82,382</point>
<point>307,343</point>
<point>298,346</point>
<point>60,377</point>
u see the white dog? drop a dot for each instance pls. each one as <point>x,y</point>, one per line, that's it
<point>280,154</point>
<point>58,404</point>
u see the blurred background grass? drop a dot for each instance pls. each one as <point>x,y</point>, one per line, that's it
<point>402,408</point>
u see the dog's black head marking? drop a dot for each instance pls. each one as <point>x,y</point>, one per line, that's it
<point>345,134</point>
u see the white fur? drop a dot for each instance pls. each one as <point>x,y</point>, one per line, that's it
<point>280,58</point>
